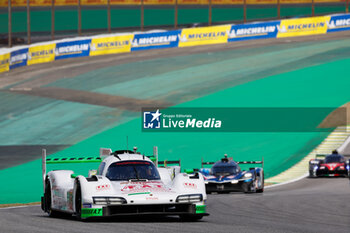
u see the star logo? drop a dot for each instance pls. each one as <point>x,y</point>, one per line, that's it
<point>152,120</point>
<point>156,115</point>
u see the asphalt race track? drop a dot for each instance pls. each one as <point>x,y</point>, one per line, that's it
<point>309,205</point>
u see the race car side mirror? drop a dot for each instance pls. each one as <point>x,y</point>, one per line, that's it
<point>92,173</point>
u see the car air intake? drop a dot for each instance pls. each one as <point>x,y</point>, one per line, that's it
<point>150,209</point>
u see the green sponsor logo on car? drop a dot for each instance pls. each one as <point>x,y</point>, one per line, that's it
<point>93,212</point>
<point>200,209</point>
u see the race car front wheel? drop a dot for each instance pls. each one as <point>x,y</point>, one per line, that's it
<point>48,200</point>
<point>262,184</point>
<point>311,174</point>
<point>77,202</point>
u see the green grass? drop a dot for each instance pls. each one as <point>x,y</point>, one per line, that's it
<point>314,86</point>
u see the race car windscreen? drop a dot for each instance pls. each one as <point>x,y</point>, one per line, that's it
<point>224,170</point>
<point>334,159</point>
<point>131,170</point>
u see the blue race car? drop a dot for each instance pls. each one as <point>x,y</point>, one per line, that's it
<point>226,176</point>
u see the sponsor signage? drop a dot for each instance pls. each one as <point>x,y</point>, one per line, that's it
<point>70,49</point>
<point>102,187</point>
<point>177,38</point>
<point>87,205</point>
<point>144,188</point>
<point>303,26</point>
<point>41,54</point>
<point>156,40</point>
<point>190,185</point>
<point>178,120</point>
<point>204,35</point>
<point>152,119</point>
<point>339,23</point>
<point>237,119</point>
<point>253,31</point>
<point>91,212</point>
<point>18,58</point>
<point>110,45</point>
<point>5,62</point>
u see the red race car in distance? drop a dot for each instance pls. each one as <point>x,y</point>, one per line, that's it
<point>329,165</point>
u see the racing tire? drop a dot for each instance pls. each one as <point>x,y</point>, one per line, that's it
<point>190,218</point>
<point>77,201</point>
<point>48,201</point>
<point>249,188</point>
<point>311,175</point>
<point>263,184</point>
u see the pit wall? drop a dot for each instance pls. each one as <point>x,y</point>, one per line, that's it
<point>129,42</point>
<point>4,3</point>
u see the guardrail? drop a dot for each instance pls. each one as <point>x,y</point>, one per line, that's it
<point>128,42</point>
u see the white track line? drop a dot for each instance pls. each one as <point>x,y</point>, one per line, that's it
<point>15,207</point>
<point>288,182</point>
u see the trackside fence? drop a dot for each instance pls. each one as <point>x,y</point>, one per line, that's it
<point>12,58</point>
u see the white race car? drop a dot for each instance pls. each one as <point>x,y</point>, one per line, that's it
<point>126,183</point>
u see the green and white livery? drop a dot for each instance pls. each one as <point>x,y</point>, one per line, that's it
<point>126,183</point>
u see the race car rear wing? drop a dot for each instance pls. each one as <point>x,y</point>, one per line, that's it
<point>104,152</point>
<point>322,156</point>
<point>165,163</point>
<point>63,160</point>
<point>239,162</point>
<point>252,162</point>
<point>206,163</point>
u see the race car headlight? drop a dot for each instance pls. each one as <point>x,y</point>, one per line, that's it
<point>189,198</point>
<point>248,175</point>
<point>109,200</point>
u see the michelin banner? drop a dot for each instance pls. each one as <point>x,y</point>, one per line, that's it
<point>70,49</point>
<point>177,38</point>
<point>303,26</point>
<point>204,35</point>
<point>156,40</point>
<point>110,45</point>
<point>4,62</point>
<point>253,31</point>
<point>339,23</point>
<point>18,58</point>
<point>41,54</point>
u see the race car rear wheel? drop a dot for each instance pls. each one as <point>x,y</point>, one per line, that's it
<point>77,201</point>
<point>48,201</point>
<point>190,218</point>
